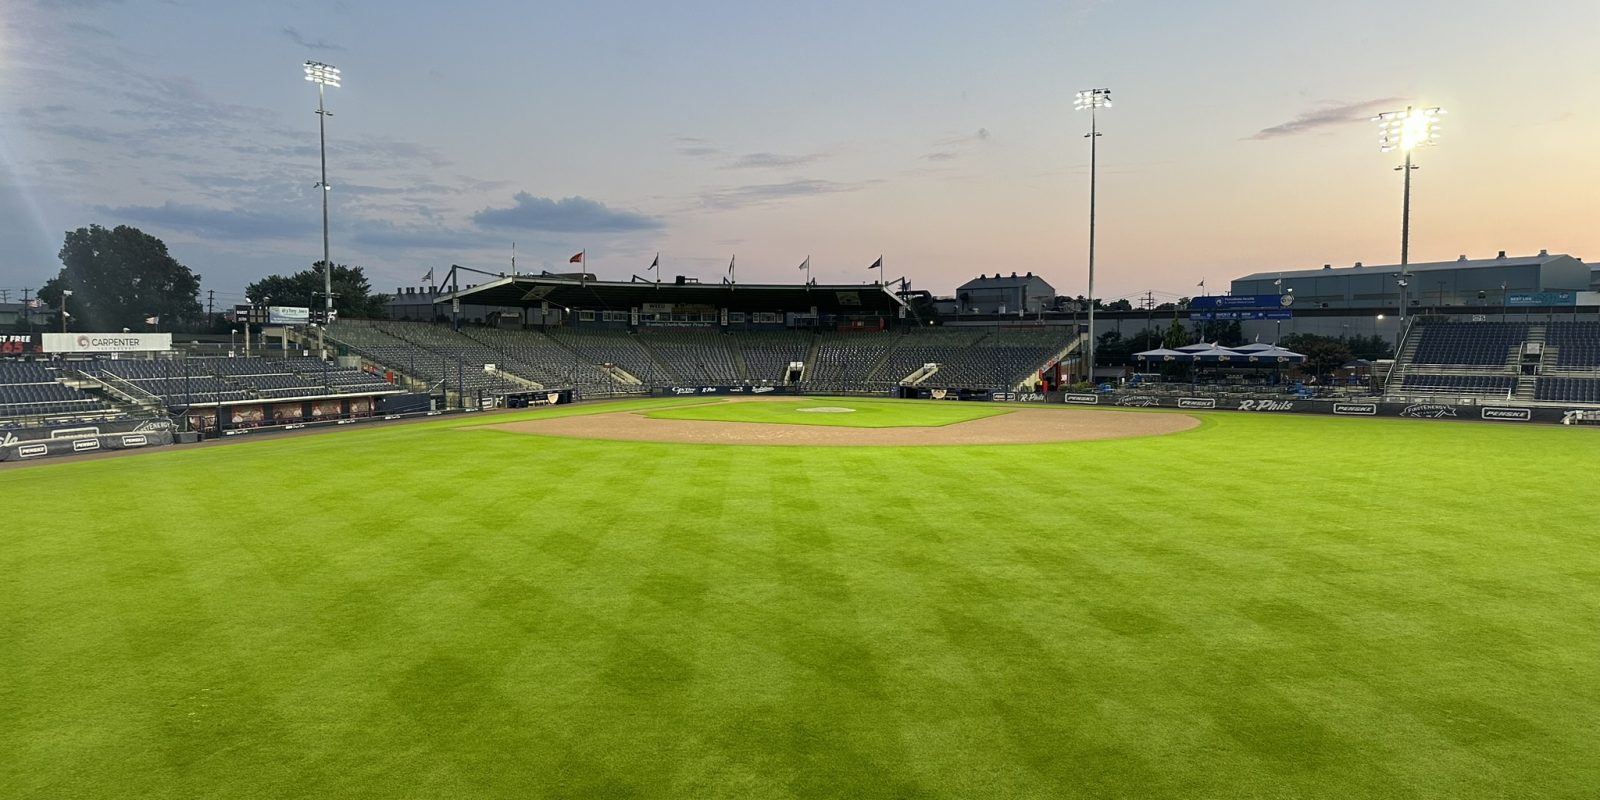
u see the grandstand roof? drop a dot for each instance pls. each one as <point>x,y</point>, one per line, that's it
<point>527,291</point>
<point>1461,263</point>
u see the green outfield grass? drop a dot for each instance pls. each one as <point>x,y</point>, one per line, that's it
<point>863,413</point>
<point>1263,607</point>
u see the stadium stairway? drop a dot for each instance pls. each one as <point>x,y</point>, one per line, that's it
<point>739,364</point>
<point>812,354</point>
<point>886,357</point>
<point>1527,384</point>
<point>661,362</point>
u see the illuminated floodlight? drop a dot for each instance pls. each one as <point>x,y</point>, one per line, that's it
<point>1092,98</point>
<point>1409,129</point>
<point>325,74</point>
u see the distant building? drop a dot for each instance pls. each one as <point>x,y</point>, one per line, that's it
<point>1005,295</point>
<point>1463,282</point>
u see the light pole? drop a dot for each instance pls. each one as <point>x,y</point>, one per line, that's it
<point>1406,131</point>
<point>1093,100</point>
<point>324,75</point>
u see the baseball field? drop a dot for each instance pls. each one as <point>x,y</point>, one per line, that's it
<point>681,598</point>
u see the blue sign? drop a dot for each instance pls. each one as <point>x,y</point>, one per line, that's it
<point>1243,301</point>
<point>1233,315</point>
<point>1542,299</point>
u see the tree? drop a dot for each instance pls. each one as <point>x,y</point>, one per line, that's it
<point>1371,348</point>
<point>119,277</point>
<point>1177,335</point>
<point>352,293</point>
<point>1323,353</point>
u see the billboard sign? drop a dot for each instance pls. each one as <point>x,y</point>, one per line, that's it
<point>1279,313</point>
<point>1526,299</point>
<point>106,342</point>
<point>1243,301</point>
<point>288,315</point>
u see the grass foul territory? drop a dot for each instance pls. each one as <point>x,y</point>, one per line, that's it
<point>1262,607</point>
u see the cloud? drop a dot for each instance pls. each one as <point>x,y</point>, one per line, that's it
<point>772,160</point>
<point>375,233</point>
<point>567,215</point>
<point>763,193</point>
<point>233,223</point>
<point>953,147</point>
<point>295,36</point>
<point>1328,117</point>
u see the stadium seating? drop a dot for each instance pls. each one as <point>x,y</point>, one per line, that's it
<point>31,390</point>
<point>599,360</point>
<point>1577,344</point>
<point>768,354</point>
<point>1001,359</point>
<point>1568,390</point>
<point>696,356</point>
<point>1488,386</point>
<point>1469,343</point>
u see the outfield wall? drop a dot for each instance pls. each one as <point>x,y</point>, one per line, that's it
<point>26,444</point>
<point>1508,411</point>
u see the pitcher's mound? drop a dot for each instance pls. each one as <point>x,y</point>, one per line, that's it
<point>1021,426</point>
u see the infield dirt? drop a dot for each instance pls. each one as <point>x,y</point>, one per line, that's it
<point>1020,426</point>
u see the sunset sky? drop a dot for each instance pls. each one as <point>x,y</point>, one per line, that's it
<point>938,134</point>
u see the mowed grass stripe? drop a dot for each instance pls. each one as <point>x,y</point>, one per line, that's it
<point>1266,606</point>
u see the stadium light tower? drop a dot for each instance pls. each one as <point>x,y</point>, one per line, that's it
<point>1406,131</point>
<point>1093,100</point>
<point>324,75</point>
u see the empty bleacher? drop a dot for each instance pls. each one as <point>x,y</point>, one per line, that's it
<point>1576,344</point>
<point>1469,343</point>
<point>1568,390</point>
<point>1486,386</point>
<point>1001,359</point>
<point>30,390</point>
<point>696,356</point>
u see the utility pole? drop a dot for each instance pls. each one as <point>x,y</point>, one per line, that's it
<point>5,295</point>
<point>1149,313</point>
<point>211,299</point>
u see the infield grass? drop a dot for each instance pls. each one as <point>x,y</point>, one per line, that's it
<point>1262,607</point>
<point>852,412</point>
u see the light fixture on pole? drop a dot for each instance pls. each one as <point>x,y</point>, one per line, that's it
<point>65,293</point>
<point>1406,131</point>
<point>1092,100</point>
<point>324,75</point>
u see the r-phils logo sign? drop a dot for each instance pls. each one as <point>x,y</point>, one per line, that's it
<point>1428,411</point>
<point>8,438</point>
<point>1266,405</point>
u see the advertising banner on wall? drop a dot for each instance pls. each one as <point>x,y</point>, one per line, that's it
<point>106,342</point>
<point>288,315</point>
<point>1242,301</point>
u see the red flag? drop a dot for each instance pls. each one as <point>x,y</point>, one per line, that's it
<point>577,259</point>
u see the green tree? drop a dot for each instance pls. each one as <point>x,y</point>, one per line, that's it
<point>118,277</point>
<point>1177,335</point>
<point>1371,348</point>
<point>1323,353</point>
<point>352,293</point>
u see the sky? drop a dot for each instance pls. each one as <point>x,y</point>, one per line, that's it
<point>940,135</point>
